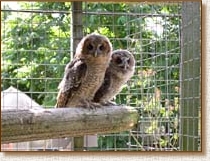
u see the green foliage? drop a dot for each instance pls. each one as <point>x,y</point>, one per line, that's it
<point>113,140</point>
<point>35,47</point>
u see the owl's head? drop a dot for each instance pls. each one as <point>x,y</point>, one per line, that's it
<point>94,45</point>
<point>122,60</point>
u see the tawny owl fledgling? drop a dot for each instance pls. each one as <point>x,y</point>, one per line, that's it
<point>120,70</point>
<point>85,73</point>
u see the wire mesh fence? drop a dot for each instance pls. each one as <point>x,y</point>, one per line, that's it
<point>36,46</point>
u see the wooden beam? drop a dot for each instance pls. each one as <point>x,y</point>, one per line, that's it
<point>40,124</point>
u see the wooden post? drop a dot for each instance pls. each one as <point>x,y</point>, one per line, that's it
<point>76,36</point>
<point>190,100</point>
<point>76,26</point>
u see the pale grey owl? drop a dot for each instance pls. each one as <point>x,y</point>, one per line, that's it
<point>85,73</point>
<point>120,70</point>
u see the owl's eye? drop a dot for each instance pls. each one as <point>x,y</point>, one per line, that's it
<point>101,47</point>
<point>118,61</point>
<point>128,61</point>
<point>90,47</point>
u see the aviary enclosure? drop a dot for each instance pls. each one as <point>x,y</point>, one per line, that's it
<point>39,39</point>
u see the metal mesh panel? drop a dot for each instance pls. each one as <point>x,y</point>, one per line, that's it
<point>36,46</point>
<point>190,109</point>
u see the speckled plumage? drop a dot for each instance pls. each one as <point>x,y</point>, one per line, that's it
<point>85,73</point>
<point>120,70</point>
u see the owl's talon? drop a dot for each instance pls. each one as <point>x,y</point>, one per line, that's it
<point>94,105</point>
<point>90,105</point>
<point>109,103</point>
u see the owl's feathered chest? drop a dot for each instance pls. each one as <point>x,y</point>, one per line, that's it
<point>91,81</point>
<point>120,76</point>
<point>94,75</point>
<point>117,79</point>
<point>114,79</point>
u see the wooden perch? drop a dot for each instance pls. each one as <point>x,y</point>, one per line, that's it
<point>40,124</point>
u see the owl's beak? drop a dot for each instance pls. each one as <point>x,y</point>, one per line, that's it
<point>96,53</point>
<point>125,64</point>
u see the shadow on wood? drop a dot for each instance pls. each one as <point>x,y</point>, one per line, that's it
<point>40,124</point>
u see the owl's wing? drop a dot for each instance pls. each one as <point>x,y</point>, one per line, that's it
<point>104,87</point>
<point>73,76</point>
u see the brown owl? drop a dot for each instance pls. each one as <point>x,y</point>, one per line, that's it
<point>120,70</point>
<point>85,73</point>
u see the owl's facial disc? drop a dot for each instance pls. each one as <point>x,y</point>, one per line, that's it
<point>123,62</point>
